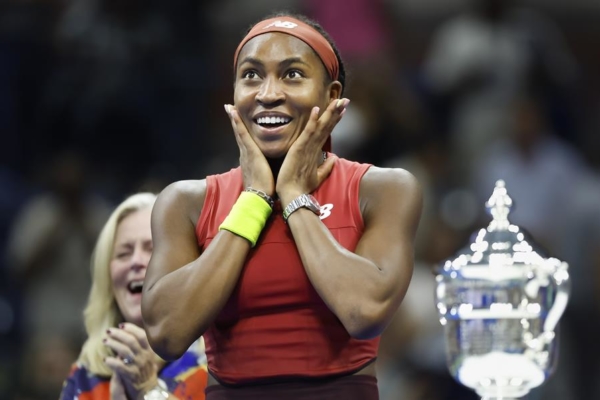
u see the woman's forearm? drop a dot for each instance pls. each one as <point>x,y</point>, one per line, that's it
<point>353,287</point>
<point>180,306</point>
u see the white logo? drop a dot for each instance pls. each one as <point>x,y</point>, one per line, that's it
<point>325,210</point>
<point>282,24</point>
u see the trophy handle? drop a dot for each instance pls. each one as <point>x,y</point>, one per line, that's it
<point>560,278</point>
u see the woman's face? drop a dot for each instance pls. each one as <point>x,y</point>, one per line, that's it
<point>279,79</point>
<point>131,254</point>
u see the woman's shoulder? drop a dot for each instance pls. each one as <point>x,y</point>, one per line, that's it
<point>185,189</point>
<point>394,179</point>
<point>193,191</point>
<point>389,192</point>
<point>380,185</point>
<point>185,196</point>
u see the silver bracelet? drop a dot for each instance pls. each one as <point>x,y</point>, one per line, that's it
<point>262,195</point>
<point>158,392</point>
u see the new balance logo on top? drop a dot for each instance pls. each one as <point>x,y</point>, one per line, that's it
<point>282,24</point>
<point>326,210</point>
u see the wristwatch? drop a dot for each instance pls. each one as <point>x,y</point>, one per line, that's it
<point>304,200</point>
<point>158,392</point>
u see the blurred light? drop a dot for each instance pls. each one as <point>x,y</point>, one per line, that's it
<point>459,209</point>
<point>501,307</point>
<point>477,257</point>
<point>534,308</point>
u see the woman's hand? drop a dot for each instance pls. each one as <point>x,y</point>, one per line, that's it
<point>135,366</point>
<point>302,170</point>
<point>255,167</point>
<point>117,389</point>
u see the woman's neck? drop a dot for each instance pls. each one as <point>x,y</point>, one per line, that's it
<point>275,163</point>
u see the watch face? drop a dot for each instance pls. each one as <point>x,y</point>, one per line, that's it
<point>313,204</point>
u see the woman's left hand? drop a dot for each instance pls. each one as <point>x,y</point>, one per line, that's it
<point>135,363</point>
<point>117,389</point>
<point>302,171</point>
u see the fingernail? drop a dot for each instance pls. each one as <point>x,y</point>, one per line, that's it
<point>121,325</point>
<point>339,103</point>
<point>343,112</point>
<point>316,110</point>
<point>108,331</point>
<point>346,102</point>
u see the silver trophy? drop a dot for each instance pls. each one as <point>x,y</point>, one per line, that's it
<point>499,301</point>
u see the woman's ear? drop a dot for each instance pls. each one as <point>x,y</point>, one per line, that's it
<point>335,90</point>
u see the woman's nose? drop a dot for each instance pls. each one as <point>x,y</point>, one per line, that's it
<point>140,258</point>
<point>271,92</point>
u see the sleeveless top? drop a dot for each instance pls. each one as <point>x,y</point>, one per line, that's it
<point>275,326</point>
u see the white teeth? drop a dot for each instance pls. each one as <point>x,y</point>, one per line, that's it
<point>272,120</point>
<point>136,285</point>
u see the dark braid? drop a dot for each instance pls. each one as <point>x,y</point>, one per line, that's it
<point>315,25</point>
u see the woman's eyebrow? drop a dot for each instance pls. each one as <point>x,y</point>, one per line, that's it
<point>250,60</point>
<point>292,60</point>
<point>286,62</point>
<point>124,245</point>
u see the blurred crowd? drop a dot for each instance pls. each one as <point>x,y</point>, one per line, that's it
<point>102,98</point>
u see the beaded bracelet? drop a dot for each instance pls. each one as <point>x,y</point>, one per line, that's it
<point>262,195</point>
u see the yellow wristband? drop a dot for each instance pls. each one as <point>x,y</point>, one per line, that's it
<point>247,217</point>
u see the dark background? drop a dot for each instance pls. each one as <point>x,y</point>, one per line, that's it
<point>103,98</point>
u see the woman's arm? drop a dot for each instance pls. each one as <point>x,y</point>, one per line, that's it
<point>365,288</point>
<point>183,289</point>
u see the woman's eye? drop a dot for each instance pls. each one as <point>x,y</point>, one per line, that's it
<point>249,75</point>
<point>294,74</point>
<point>122,255</point>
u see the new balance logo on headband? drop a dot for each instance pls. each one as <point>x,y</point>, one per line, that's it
<point>281,24</point>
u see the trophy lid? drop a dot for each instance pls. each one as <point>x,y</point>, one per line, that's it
<point>499,252</point>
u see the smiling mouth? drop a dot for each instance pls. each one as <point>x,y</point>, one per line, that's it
<point>272,122</point>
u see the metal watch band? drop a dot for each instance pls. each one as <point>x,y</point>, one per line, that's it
<point>302,201</point>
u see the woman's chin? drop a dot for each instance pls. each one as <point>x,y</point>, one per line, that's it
<point>274,152</point>
<point>134,317</point>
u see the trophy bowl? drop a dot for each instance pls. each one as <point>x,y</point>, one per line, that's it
<point>499,302</point>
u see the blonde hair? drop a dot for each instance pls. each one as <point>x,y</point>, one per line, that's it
<point>102,311</point>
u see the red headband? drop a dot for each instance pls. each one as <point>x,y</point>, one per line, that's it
<point>302,31</point>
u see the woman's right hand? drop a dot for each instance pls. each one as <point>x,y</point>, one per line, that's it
<point>135,365</point>
<point>256,169</point>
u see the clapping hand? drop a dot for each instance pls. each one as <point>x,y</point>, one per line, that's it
<point>135,366</point>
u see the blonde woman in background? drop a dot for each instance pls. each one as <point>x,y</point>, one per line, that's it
<point>116,361</point>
